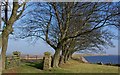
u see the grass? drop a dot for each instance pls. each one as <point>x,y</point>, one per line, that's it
<point>30,68</point>
<point>77,67</point>
<point>89,68</point>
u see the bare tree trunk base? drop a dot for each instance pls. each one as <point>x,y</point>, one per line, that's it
<point>56,59</point>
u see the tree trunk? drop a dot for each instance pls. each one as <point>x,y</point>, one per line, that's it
<point>4,48</point>
<point>56,58</point>
<point>65,57</point>
<point>5,36</point>
<point>62,57</point>
<point>69,56</point>
<point>61,60</point>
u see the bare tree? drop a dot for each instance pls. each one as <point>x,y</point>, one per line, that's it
<point>57,23</point>
<point>9,22</point>
<point>94,42</point>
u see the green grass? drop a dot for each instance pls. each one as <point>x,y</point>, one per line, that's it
<point>25,68</point>
<point>70,67</point>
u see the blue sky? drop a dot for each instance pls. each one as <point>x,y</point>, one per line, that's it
<point>38,48</point>
<point>26,47</point>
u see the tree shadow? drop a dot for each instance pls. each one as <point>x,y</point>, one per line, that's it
<point>36,64</point>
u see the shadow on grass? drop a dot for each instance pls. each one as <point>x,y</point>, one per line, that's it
<point>38,64</point>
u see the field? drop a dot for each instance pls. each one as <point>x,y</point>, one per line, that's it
<point>77,67</point>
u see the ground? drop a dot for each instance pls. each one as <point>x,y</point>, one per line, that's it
<point>72,66</point>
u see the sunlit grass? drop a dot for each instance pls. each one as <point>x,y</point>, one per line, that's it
<point>89,68</point>
<point>70,67</point>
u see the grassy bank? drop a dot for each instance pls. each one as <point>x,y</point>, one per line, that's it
<point>89,68</point>
<point>70,67</point>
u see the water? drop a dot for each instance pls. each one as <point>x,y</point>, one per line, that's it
<point>113,59</point>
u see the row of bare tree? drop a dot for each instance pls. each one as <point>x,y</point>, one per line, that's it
<point>67,27</point>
